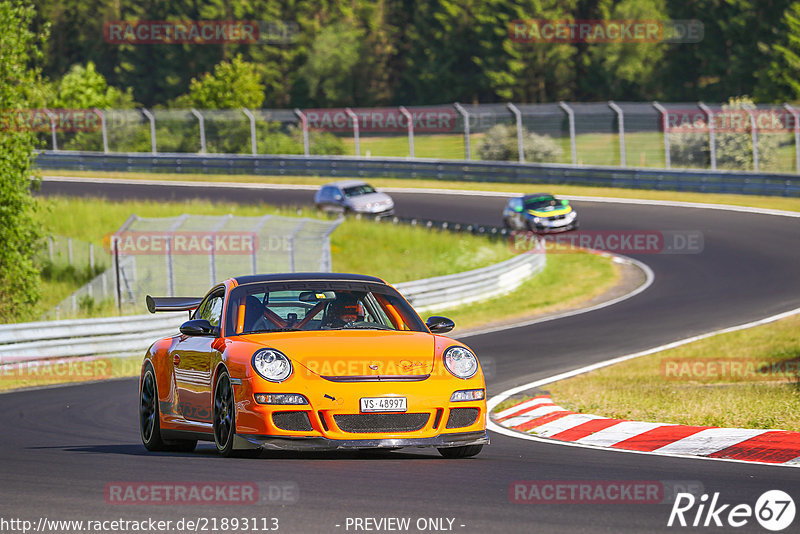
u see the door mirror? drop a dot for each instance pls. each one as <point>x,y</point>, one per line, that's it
<point>197,327</point>
<point>439,325</point>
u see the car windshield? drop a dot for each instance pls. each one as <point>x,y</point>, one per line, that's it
<point>358,190</point>
<point>538,203</point>
<point>334,305</point>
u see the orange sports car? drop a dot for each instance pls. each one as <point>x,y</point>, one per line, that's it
<point>309,361</point>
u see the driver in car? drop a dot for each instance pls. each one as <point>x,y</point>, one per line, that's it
<point>345,310</point>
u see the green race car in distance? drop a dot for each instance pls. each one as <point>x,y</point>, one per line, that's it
<point>540,213</point>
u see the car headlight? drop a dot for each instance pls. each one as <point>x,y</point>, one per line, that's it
<point>272,365</point>
<point>460,362</point>
<point>536,220</point>
<point>571,216</point>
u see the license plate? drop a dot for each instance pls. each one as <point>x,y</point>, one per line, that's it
<point>383,404</point>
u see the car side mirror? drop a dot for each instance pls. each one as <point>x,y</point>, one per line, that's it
<point>337,196</point>
<point>197,327</point>
<point>439,325</point>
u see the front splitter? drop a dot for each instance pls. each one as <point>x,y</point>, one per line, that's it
<point>325,444</point>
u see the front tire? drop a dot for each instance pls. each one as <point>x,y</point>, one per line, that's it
<point>460,452</point>
<point>224,415</point>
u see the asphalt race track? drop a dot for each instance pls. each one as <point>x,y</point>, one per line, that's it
<point>62,446</point>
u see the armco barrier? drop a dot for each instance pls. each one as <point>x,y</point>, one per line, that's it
<point>125,336</point>
<point>740,182</point>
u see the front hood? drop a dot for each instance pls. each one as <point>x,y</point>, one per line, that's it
<point>371,198</point>
<point>551,212</point>
<point>354,352</point>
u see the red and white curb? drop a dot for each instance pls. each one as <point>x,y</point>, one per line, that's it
<point>541,417</point>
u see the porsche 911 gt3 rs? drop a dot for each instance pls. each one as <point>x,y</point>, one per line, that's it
<point>309,361</point>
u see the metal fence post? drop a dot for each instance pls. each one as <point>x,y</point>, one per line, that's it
<point>304,126</point>
<point>410,120</point>
<point>292,247</point>
<point>465,116</point>
<point>91,258</point>
<point>571,117</point>
<point>152,120</point>
<point>665,127</point>
<point>52,118</point>
<point>252,119</point>
<point>69,250</point>
<point>254,253</point>
<point>118,292</point>
<point>50,247</point>
<point>712,138</point>
<point>796,116</point>
<point>202,130</point>
<point>518,114</point>
<point>753,134</point>
<point>621,126</point>
<point>103,129</point>
<point>354,118</point>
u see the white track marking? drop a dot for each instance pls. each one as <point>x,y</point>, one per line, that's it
<point>710,441</point>
<point>619,432</point>
<point>565,423</point>
<point>523,406</point>
<point>533,414</point>
<point>497,399</point>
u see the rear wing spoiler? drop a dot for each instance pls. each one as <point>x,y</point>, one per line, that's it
<point>172,304</point>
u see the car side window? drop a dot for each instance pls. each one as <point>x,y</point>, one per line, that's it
<point>211,309</point>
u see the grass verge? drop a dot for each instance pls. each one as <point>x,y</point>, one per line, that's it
<point>780,203</point>
<point>566,281</point>
<point>39,374</point>
<point>744,379</point>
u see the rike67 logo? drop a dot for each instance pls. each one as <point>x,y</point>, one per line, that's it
<point>774,510</point>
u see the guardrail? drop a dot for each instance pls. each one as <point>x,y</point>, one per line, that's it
<point>707,181</point>
<point>131,335</point>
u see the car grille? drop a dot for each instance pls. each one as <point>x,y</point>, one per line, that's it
<point>461,417</point>
<point>381,422</point>
<point>297,421</point>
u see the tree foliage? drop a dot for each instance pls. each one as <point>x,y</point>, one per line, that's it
<point>19,234</point>
<point>233,84</point>
<point>415,52</point>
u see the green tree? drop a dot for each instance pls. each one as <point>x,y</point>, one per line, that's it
<point>85,88</point>
<point>626,69</point>
<point>19,232</point>
<point>233,84</point>
<point>330,70</point>
<point>780,78</point>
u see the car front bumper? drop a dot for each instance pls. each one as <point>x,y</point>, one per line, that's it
<point>541,229</point>
<point>324,444</point>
